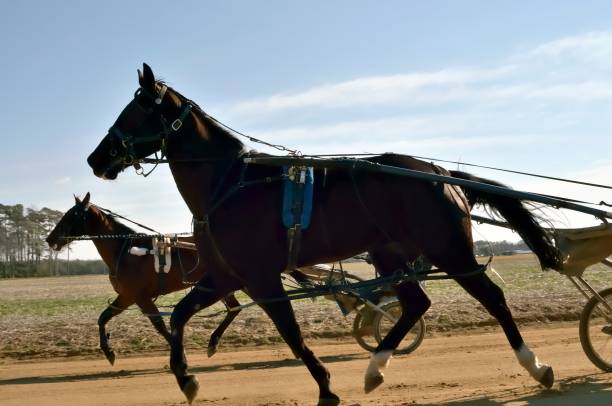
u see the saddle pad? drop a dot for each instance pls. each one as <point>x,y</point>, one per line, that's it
<point>295,193</point>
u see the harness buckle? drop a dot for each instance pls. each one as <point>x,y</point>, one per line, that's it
<point>138,168</point>
<point>176,124</point>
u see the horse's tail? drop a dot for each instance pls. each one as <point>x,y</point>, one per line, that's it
<point>518,217</point>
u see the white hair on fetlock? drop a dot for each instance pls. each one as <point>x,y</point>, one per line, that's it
<point>378,362</point>
<point>529,361</point>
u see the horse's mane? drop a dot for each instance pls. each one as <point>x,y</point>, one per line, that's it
<point>232,142</point>
<point>120,229</point>
<point>112,222</point>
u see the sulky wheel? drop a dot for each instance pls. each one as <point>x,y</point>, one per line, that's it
<point>596,330</point>
<point>382,325</point>
<point>363,330</point>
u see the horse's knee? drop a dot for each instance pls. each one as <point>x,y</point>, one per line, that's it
<point>412,298</point>
<point>496,291</point>
<point>178,318</point>
<point>422,304</point>
<point>104,317</point>
<point>495,300</point>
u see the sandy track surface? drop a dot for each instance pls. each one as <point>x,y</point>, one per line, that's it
<point>473,369</point>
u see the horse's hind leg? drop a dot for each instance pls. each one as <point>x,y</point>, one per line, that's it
<point>119,304</point>
<point>492,298</point>
<point>204,294</point>
<point>414,304</point>
<point>281,312</point>
<point>149,309</point>
<point>233,308</point>
<point>449,246</point>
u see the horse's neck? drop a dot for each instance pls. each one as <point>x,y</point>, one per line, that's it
<point>108,248</point>
<point>199,156</point>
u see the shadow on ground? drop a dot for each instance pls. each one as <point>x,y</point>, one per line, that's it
<point>581,390</point>
<point>197,369</point>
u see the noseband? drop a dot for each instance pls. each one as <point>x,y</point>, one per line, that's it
<point>128,140</point>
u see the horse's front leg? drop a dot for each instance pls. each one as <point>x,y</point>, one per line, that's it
<point>273,300</point>
<point>149,309</point>
<point>119,304</point>
<point>414,304</point>
<point>233,308</point>
<point>204,294</point>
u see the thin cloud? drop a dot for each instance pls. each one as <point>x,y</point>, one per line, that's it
<point>370,90</point>
<point>591,46</point>
<point>552,71</point>
<point>63,180</point>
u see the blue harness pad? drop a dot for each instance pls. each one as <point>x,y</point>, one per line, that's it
<point>297,196</point>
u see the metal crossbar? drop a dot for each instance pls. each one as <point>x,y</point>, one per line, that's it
<point>367,166</point>
<point>353,289</point>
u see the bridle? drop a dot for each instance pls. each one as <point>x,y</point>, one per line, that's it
<point>76,220</point>
<point>128,141</point>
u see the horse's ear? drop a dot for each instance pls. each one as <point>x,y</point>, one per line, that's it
<point>85,201</point>
<point>146,78</point>
<point>76,199</point>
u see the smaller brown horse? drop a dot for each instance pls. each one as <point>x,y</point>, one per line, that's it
<point>133,277</point>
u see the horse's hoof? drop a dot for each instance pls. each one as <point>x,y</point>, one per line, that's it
<point>548,378</point>
<point>110,356</point>
<point>335,401</point>
<point>190,388</point>
<point>372,382</point>
<point>212,350</point>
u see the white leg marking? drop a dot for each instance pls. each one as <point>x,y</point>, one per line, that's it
<point>378,362</point>
<point>529,361</point>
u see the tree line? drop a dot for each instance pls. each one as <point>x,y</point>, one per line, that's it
<point>488,248</point>
<point>23,250</point>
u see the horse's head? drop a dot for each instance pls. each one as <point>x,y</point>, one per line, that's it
<point>141,129</point>
<point>72,224</point>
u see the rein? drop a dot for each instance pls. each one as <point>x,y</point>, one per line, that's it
<point>535,175</point>
<point>128,141</point>
<point>113,214</point>
<point>120,236</point>
<point>173,242</point>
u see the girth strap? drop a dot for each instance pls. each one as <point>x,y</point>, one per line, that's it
<point>297,176</point>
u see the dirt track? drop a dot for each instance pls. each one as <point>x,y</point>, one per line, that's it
<point>466,369</point>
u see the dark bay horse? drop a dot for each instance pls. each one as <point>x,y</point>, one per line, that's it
<point>236,209</point>
<point>133,277</point>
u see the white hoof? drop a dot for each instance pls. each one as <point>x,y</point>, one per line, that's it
<point>374,376</point>
<point>540,372</point>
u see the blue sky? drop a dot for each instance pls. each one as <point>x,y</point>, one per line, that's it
<point>522,85</point>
